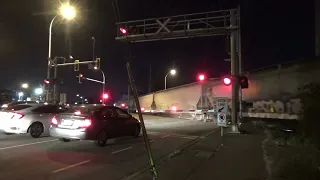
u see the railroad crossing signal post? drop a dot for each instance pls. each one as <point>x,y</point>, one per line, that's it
<point>234,71</point>
<point>211,23</point>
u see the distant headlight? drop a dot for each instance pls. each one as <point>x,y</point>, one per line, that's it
<point>4,106</point>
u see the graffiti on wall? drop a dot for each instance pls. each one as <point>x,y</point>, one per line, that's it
<point>292,106</point>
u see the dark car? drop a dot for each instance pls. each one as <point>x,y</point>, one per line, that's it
<point>94,122</point>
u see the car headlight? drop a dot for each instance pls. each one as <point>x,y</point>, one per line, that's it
<point>4,105</point>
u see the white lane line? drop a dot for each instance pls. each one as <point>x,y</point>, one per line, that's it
<point>115,152</point>
<point>71,166</point>
<point>165,136</point>
<point>151,140</point>
<point>21,145</point>
<point>187,137</point>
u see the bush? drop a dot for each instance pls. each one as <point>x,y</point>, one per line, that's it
<point>310,114</point>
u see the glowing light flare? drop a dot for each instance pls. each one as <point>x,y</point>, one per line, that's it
<point>201,77</point>
<point>105,96</point>
<point>85,123</point>
<point>123,105</point>
<point>77,112</point>
<point>54,121</point>
<point>68,12</point>
<point>123,31</point>
<point>174,108</point>
<point>226,81</point>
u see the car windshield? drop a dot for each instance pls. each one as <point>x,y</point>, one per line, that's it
<point>89,109</point>
<point>18,107</point>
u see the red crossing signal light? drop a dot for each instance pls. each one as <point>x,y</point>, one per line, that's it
<point>123,31</point>
<point>201,77</point>
<point>105,96</point>
<point>227,81</point>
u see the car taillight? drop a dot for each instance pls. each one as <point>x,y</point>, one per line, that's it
<point>85,123</point>
<point>54,121</point>
<point>16,115</point>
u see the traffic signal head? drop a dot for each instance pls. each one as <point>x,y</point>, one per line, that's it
<point>201,77</point>
<point>105,96</point>
<point>243,80</point>
<point>227,81</point>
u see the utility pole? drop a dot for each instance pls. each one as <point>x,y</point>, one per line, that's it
<point>150,75</point>
<point>144,131</point>
<point>234,71</point>
<point>55,76</point>
<point>240,64</point>
<point>93,47</point>
<point>129,89</point>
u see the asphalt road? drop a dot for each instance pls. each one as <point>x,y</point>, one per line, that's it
<point>23,157</point>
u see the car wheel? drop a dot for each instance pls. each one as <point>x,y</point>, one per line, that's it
<point>35,130</point>
<point>64,140</point>
<point>136,132</point>
<point>101,139</point>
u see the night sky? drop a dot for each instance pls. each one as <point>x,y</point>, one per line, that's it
<point>273,32</point>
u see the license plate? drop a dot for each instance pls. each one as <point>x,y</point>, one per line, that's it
<point>67,122</point>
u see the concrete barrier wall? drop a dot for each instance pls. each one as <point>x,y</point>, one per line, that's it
<point>271,89</point>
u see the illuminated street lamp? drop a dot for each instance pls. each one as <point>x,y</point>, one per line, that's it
<point>67,12</point>
<point>172,72</point>
<point>38,91</point>
<point>20,94</point>
<point>25,85</point>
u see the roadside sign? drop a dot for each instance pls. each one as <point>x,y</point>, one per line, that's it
<point>222,105</point>
<point>222,119</point>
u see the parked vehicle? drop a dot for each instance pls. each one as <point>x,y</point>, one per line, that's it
<point>32,118</point>
<point>94,122</point>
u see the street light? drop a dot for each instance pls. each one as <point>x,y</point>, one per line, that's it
<point>25,85</point>
<point>20,94</point>
<point>38,91</point>
<point>172,72</point>
<point>68,12</point>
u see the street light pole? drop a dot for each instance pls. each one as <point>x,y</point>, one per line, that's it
<point>172,72</point>
<point>103,84</point>
<point>165,81</point>
<point>49,57</point>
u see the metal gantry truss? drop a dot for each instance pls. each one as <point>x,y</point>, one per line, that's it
<point>213,23</point>
<point>182,26</point>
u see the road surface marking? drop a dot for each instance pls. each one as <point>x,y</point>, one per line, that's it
<point>187,137</point>
<point>21,145</point>
<point>151,140</point>
<point>152,132</point>
<point>115,152</point>
<point>71,166</point>
<point>165,136</point>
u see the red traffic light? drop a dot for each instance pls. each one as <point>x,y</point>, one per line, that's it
<point>81,75</point>
<point>123,105</point>
<point>227,81</point>
<point>105,96</point>
<point>201,77</point>
<point>124,31</point>
<point>46,81</point>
